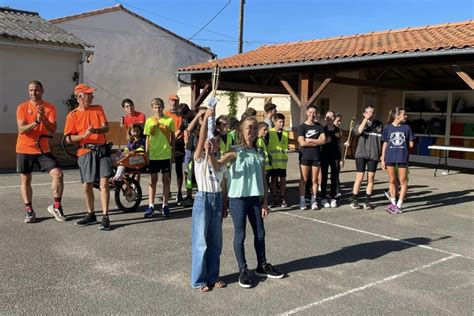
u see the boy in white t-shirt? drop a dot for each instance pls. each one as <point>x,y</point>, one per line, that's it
<point>207,213</point>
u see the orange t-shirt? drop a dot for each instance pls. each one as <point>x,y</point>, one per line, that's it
<point>27,112</point>
<point>78,122</point>
<point>177,121</point>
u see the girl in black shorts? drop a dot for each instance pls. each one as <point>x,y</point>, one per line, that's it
<point>397,139</point>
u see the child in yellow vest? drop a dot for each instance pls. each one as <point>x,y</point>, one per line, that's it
<point>278,151</point>
<point>262,143</point>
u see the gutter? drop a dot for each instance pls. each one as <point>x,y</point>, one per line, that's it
<point>45,46</point>
<point>436,53</point>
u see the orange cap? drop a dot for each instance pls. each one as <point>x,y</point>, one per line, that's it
<point>173,97</point>
<point>83,88</point>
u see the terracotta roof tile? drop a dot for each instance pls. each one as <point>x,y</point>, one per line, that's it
<point>447,36</point>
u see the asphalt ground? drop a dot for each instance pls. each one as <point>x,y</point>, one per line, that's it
<point>337,261</point>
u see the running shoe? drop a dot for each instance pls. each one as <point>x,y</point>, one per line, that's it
<point>355,205</point>
<point>398,210</point>
<point>266,270</point>
<point>333,203</point>
<point>314,206</point>
<point>368,206</point>
<point>149,212</point>
<point>391,208</point>
<point>57,213</point>
<point>89,219</point>
<point>30,217</point>
<point>302,205</point>
<point>325,203</point>
<point>105,225</point>
<point>166,211</point>
<point>283,204</point>
<point>244,279</point>
<point>179,199</point>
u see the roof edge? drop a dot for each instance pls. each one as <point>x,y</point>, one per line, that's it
<point>3,9</point>
<point>120,7</point>
<point>437,53</point>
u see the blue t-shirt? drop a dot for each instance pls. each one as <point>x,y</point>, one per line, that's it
<point>397,138</point>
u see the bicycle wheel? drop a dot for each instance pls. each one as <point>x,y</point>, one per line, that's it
<point>128,195</point>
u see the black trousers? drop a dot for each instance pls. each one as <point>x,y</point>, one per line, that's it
<point>334,164</point>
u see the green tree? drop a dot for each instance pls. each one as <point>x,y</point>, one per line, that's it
<point>234,98</point>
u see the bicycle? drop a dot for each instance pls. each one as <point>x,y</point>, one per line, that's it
<point>128,191</point>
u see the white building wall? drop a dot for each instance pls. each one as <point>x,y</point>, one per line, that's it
<point>132,59</point>
<point>19,65</point>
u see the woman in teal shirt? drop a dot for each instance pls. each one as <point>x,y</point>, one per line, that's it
<point>246,185</point>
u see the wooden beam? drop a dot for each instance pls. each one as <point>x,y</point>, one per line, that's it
<point>290,91</point>
<point>464,76</point>
<point>202,96</point>
<point>404,74</point>
<point>249,87</point>
<point>376,84</point>
<point>318,92</point>
<point>267,100</point>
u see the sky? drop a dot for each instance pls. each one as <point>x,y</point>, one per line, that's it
<point>267,22</point>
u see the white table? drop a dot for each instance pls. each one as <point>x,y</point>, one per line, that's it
<point>446,150</point>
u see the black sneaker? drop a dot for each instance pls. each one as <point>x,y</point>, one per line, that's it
<point>105,225</point>
<point>244,279</point>
<point>88,220</point>
<point>30,217</point>
<point>266,270</point>
<point>368,206</point>
<point>355,205</point>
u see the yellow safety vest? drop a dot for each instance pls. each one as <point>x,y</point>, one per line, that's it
<point>225,147</point>
<point>267,158</point>
<point>278,149</point>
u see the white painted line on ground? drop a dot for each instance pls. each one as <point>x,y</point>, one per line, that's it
<point>377,235</point>
<point>369,285</point>
<point>37,184</point>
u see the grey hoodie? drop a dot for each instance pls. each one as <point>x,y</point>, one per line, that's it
<point>370,141</point>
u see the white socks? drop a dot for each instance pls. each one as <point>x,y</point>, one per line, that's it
<point>399,203</point>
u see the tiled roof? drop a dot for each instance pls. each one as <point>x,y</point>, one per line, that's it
<point>30,26</point>
<point>417,39</point>
<point>120,7</point>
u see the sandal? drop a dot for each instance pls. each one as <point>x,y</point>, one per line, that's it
<point>220,284</point>
<point>205,288</point>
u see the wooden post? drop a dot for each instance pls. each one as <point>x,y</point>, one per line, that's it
<point>195,91</point>
<point>290,91</point>
<point>201,96</point>
<point>305,86</point>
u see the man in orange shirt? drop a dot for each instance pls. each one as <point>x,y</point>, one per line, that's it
<point>179,146</point>
<point>87,126</point>
<point>34,118</point>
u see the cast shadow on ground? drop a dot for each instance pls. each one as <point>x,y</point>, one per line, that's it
<point>349,254</point>
<point>440,200</point>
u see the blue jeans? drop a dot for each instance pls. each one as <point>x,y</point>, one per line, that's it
<point>240,209</point>
<point>206,238</point>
